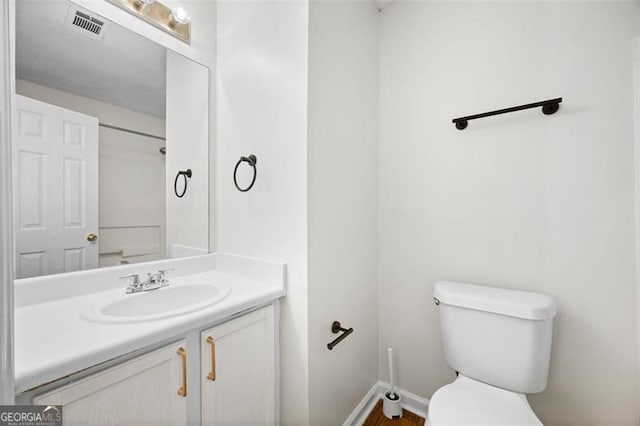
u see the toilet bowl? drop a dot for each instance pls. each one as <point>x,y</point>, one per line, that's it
<point>499,343</point>
<point>469,402</point>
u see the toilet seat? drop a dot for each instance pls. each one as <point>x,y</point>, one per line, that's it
<point>469,402</point>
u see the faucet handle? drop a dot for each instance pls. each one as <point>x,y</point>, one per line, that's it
<point>162,273</point>
<point>135,279</point>
<point>133,286</point>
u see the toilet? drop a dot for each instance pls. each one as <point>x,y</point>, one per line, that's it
<point>499,343</point>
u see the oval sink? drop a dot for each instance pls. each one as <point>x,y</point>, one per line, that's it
<point>157,304</point>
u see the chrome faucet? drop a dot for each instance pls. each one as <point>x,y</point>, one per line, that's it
<point>154,281</point>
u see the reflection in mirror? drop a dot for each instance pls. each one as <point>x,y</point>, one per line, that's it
<point>105,120</point>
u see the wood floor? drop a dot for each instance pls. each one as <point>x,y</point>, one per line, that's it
<point>377,418</point>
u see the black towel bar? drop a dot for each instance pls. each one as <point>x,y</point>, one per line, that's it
<point>549,107</point>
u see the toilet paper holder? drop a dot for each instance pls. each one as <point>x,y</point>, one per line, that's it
<point>335,329</point>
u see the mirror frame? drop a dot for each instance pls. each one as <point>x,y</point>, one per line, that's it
<point>7,98</point>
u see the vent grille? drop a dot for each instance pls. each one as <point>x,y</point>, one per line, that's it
<point>87,23</point>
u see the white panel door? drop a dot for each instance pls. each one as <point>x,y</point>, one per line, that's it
<point>55,159</point>
<point>238,371</point>
<point>143,391</point>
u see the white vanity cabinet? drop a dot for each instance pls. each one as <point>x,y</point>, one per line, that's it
<point>238,371</point>
<point>149,389</point>
<point>235,365</point>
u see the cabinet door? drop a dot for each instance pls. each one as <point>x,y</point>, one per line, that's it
<point>238,370</point>
<point>142,391</point>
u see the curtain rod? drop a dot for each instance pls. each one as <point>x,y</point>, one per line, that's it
<point>109,126</point>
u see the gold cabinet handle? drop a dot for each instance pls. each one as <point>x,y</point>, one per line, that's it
<point>182,390</point>
<point>92,237</point>
<point>212,375</point>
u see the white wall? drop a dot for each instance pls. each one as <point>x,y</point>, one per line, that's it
<point>187,148</point>
<point>131,198</point>
<point>261,107</point>
<point>636,73</point>
<point>522,200</point>
<point>342,205</point>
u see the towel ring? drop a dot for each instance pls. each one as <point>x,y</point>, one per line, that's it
<point>186,174</point>
<point>252,160</point>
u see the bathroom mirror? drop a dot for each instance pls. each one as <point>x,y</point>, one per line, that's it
<point>110,147</point>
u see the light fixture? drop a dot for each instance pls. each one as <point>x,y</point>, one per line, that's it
<point>140,5</point>
<point>176,22</point>
<point>180,15</point>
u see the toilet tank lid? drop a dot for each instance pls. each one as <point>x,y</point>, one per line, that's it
<point>514,303</point>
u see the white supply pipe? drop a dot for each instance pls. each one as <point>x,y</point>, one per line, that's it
<point>391,401</point>
<point>391,379</point>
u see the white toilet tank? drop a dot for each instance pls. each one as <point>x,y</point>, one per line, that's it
<point>497,336</point>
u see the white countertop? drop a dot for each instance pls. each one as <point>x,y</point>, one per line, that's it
<point>52,340</point>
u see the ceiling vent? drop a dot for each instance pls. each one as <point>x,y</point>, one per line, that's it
<point>85,24</point>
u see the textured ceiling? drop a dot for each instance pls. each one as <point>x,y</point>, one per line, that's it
<point>123,69</point>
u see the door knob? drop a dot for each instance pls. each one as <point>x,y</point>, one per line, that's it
<point>92,237</point>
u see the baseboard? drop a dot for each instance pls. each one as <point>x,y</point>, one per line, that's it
<point>410,401</point>
<point>362,410</point>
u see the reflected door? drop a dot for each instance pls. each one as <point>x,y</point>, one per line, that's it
<point>55,171</point>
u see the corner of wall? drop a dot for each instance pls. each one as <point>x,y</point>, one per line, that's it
<point>636,115</point>
<point>343,205</point>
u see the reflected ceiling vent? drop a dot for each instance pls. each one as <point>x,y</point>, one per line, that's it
<point>83,23</point>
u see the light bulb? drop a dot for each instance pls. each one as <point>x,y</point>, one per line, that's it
<point>180,15</point>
